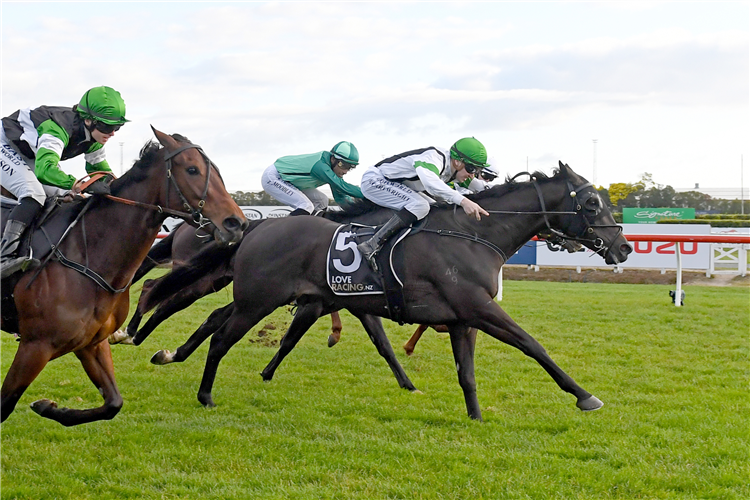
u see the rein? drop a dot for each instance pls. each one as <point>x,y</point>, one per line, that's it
<point>195,214</point>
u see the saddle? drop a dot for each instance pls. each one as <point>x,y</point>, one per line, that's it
<point>39,241</point>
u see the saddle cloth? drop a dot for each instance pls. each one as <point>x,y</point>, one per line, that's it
<point>348,272</point>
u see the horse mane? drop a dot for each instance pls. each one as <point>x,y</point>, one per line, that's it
<point>358,206</point>
<point>139,171</point>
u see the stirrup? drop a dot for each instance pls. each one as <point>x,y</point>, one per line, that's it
<point>12,266</point>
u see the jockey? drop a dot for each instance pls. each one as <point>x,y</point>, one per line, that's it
<point>397,182</point>
<point>292,179</point>
<point>34,141</point>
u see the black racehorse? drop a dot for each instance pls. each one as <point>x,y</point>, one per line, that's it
<point>449,273</point>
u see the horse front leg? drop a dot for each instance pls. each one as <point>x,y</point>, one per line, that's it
<point>97,362</point>
<point>307,314</point>
<point>238,324</point>
<point>463,341</point>
<point>374,328</point>
<point>495,322</point>
<point>28,363</point>
<point>336,328</point>
<point>214,321</point>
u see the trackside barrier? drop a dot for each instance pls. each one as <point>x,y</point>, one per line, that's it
<point>682,238</point>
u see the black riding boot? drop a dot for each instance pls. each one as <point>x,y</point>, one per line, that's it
<point>299,211</point>
<point>18,220</point>
<point>369,248</point>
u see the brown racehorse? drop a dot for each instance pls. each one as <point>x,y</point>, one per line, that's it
<point>61,310</point>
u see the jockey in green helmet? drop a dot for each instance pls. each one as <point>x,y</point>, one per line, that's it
<point>396,183</point>
<point>32,144</point>
<point>293,180</point>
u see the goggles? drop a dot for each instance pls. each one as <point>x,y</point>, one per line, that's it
<point>487,176</point>
<point>105,128</point>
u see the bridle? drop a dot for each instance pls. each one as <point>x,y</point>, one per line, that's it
<point>587,204</point>
<point>196,214</point>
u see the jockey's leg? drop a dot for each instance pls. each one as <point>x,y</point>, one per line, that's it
<point>18,220</point>
<point>402,219</point>
<point>285,192</point>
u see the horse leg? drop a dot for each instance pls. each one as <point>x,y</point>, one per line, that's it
<point>374,328</point>
<point>412,342</point>
<point>222,340</point>
<point>97,362</point>
<point>307,314</point>
<point>135,321</point>
<point>214,321</point>
<point>496,323</point>
<point>463,341</point>
<point>182,300</point>
<point>28,363</point>
<point>336,327</point>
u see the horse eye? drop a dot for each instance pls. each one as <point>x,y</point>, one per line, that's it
<point>592,203</point>
<point>193,170</point>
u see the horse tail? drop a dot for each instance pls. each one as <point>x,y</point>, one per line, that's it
<point>161,253</point>
<point>211,259</point>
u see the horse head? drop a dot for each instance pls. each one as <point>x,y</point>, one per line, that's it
<point>587,220</point>
<point>194,184</point>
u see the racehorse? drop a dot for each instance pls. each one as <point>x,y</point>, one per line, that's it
<point>79,296</point>
<point>449,274</point>
<point>183,243</point>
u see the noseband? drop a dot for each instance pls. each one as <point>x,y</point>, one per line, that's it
<point>196,214</point>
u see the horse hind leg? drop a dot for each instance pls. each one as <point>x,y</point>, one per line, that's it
<point>336,328</point>
<point>307,314</point>
<point>28,363</point>
<point>97,362</point>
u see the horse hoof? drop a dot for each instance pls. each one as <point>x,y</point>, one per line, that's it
<point>120,337</point>
<point>42,406</point>
<point>206,400</point>
<point>333,340</point>
<point>162,357</point>
<point>417,391</point>
<point>590,404</point>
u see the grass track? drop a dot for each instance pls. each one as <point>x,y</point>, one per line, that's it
<point>334,424</point>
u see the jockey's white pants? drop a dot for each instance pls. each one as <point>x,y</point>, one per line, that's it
<point>392,194</point>
<point>17,174</point>
<point>285,192</point>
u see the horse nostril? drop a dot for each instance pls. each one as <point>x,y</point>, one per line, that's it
<point>232,224</point>
<point>626,249</point>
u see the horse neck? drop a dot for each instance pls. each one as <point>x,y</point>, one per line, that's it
<point>118,236</point>
<point>510,231</point>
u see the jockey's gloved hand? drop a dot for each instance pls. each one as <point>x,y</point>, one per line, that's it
<point>97,188</point>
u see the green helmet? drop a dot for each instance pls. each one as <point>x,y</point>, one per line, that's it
<point>345,151</point>
<point>103,104</point>
<point>471,151</point>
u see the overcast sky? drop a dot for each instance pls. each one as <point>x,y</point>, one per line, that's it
<point>662,86</point>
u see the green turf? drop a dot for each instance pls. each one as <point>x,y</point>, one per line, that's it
<point>334,424</point>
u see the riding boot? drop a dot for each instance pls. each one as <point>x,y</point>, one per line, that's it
<point>18,220</point>
<point>298,211</point>
<point>370,248</point>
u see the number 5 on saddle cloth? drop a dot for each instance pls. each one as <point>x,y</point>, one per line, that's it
<point>349,274</point>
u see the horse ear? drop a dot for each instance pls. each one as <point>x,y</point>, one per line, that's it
<point>564,167</point>
<point>165,140</point>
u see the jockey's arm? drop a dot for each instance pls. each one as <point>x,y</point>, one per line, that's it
<point>52,141</point>
<point>96,160</point>
<point>434,185</point>
<point>322,172</point>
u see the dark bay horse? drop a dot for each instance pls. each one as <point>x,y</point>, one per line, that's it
<point>182,244</point>
<point>60,309</point>
<point>449,271</point>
